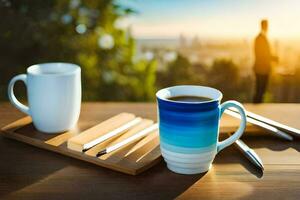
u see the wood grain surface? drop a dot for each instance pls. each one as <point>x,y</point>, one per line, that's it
<point>30,173</point>
<point>119,160</point>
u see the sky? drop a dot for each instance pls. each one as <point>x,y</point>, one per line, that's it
<point>213,19</point>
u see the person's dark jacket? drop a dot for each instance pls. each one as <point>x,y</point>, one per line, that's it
<point>263,55</point>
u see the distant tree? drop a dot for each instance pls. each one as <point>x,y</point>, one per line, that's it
<point>177,72</point>
<point>224,75</point>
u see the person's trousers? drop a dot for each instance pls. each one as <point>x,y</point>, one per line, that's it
<point>261,82</point>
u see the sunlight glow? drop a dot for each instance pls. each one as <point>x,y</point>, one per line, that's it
<point>225,19</point>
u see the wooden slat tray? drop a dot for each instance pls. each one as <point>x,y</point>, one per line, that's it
<point>132,159</point>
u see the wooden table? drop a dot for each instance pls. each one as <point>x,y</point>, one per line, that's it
<point>27,172</point>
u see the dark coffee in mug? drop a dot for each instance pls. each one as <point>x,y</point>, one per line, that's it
<point>190,98</point>
<point>189,124</point>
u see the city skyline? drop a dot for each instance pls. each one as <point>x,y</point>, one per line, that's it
<point>213,19</point>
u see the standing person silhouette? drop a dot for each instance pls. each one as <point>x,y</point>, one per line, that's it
<point>262,65</point>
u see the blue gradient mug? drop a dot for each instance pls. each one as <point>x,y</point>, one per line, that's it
<point>189,130</point>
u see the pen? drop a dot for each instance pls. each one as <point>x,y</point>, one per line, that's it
<point>265,126</point>
<point>249,153</point>
<point>271,122</point>
<point>128,140</point>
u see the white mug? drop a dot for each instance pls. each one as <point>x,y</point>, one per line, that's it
<point>54,95</point>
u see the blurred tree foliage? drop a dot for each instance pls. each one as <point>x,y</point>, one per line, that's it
<point>284,87</point>
<point>223,74</point>
<point>178,72</point>
<point>87,33</point>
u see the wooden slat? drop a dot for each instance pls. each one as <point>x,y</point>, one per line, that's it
<point>143,142</point>
<point>141,152</point>
<point>60,139</point>
<point>17,124</point>
<point>142,125</point>
<point>120,153</point>
<point>76,143</point>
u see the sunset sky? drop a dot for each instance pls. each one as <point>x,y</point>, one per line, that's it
<point>214,19</point>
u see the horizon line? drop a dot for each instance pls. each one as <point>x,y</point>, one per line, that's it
<point>188,37</point>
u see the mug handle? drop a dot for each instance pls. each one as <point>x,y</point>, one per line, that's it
<point>225,143</point>
<point>11,95</point>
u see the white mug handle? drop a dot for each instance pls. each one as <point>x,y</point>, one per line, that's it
<point>11,95</point>
<point>240,131</point>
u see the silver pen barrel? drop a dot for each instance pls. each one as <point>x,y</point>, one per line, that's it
<point>250,154</point>
<point>265,126</point>
<point>283,127</point>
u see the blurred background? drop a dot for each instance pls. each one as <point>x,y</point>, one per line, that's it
<point>128,49</point>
